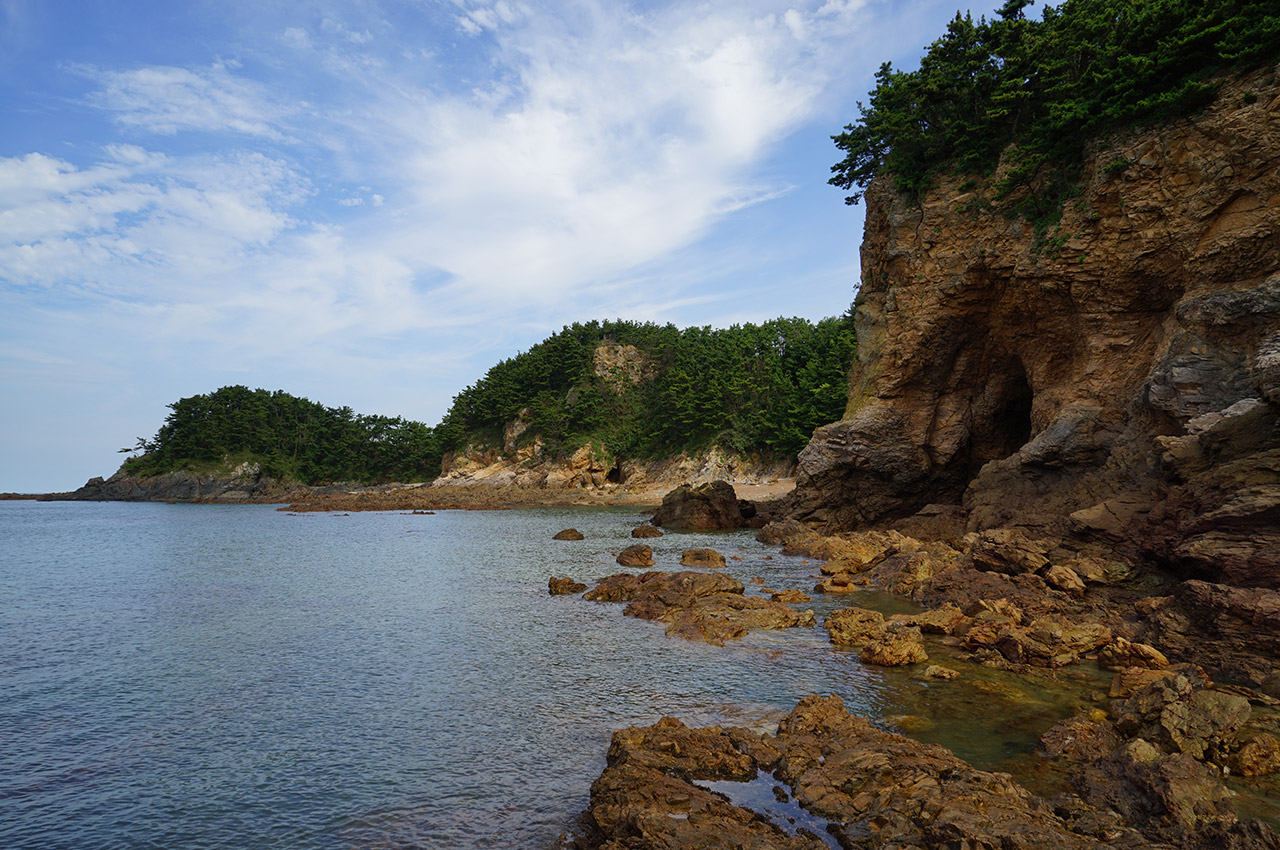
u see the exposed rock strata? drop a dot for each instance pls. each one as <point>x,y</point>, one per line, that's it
<point>1116,376</point>
<point>701,507</point>
<point>527,467</point>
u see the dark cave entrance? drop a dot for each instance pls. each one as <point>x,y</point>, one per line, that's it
<point>615,475</point>
<point>1003,423</point>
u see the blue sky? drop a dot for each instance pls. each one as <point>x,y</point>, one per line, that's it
<point>368,203</point>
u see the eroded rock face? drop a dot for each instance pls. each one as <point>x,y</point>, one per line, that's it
<point>1031,382</point>
<point>702,507</point>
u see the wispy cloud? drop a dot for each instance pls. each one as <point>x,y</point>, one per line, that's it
<point>167,100</point>
<point>605,140</point>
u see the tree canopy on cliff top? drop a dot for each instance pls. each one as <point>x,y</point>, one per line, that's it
<point>746,388</point>
<point>1085,68</point>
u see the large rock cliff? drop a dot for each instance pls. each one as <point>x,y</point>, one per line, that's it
<point>1113,376</point>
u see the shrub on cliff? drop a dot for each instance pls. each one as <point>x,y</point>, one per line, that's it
<point>1047,86</point>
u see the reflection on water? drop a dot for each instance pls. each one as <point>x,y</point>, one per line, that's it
<point>234,676</point>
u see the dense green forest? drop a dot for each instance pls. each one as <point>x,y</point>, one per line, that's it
<point>1047,86</point>
<point>289,437</point>
<point>760,388</point>
<point>745,388</point>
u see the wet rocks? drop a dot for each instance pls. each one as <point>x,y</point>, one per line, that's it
<point>568,534</point>
<point>670,590</point>
<point>645,531</point>
<point>646,796</point>
<point>937,671</point>
<point>1081,739</point>
<point>1044,642</point>
<point>638,555</point>
<point>884,790</point>
<point>854,627</point>
<point>895,646</point>
<point>702,507</point>
<point>790,597</point>
<point>1164,795</point>
<point>876,789</point>
<point>729,616</point>
<point>883,643</point>
<point>562,586</point>
<point>701,606</point>
<point>943,620</point>
<point>705,558</point>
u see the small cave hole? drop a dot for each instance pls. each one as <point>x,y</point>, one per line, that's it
<point>615,475</point>
<point>1006,427</point>
<point>1014,418</point>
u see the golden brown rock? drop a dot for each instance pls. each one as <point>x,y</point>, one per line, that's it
<point>1029,374</point>
<point>638,555</point>
<point>705,558</point>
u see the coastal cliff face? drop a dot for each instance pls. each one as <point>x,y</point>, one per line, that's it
<point>591,469</point>
<point>1116,376</point>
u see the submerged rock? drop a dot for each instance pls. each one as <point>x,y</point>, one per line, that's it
<point>569,534</point>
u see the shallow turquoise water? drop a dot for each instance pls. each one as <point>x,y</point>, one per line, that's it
<point>179,676</point>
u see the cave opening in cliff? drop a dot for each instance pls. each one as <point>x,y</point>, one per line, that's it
<point>1008,419</point>
<point>615,475</point>
<point>1011,427</point>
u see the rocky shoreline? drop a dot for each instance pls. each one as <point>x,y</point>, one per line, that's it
<point>1187,704</point>
<point>247,484</point>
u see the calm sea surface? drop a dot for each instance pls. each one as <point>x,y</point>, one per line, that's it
<point>177,676</point>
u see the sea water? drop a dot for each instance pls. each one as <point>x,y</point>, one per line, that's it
<point>235,676</point>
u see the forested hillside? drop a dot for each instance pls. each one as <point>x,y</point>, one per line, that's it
<point>1048,87</point>
<point>647,391</point>
<point>635,390</point>
<point>289,437</point>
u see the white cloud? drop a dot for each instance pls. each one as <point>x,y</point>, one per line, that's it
<point>167,100</point>
<point>604,141</point>
<point>609,143</point>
